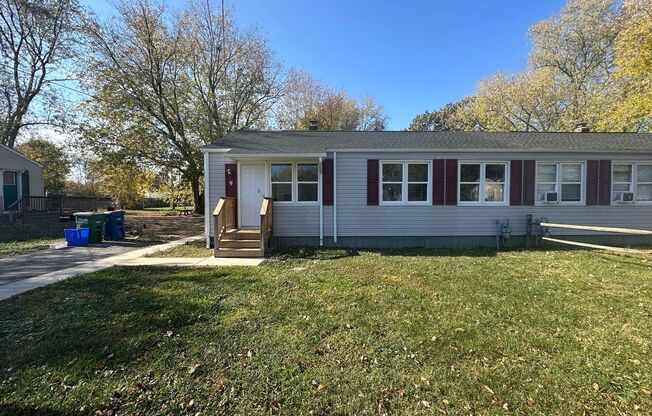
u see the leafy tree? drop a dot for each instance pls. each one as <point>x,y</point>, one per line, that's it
<point>56,165</point>
<point>569,79</point>
<point>124,181</point>
<point>578,45</point>
<point>167,84</point>
<point>37,39</point>
<point>633,48</point>
<point>442,119</point>
<point>527,101</point>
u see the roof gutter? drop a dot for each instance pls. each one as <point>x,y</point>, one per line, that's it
<point>485,150</point>
<point>274,155</point>
<point>214,150</point>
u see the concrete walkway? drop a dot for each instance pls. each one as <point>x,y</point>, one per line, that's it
<point>131,258</point>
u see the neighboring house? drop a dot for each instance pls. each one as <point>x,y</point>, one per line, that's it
<point>19,175</point>
<point>431,189</point>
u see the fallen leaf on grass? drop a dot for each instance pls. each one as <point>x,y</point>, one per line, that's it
<point>193,368</point>
<point>425,404</point>
<point>489,390</point>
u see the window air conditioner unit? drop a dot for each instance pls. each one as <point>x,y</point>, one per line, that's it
<point>625,197</point>
<point>551,197</point>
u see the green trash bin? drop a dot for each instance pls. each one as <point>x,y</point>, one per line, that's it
<point>94,221</point>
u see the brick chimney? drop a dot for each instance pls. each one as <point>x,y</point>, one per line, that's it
<point>314,125</point>
<point>582,128</point>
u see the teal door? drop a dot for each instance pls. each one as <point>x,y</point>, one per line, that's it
<point>10,188</point>
<point>24,183</point>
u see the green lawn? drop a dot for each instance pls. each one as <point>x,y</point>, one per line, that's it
<point>19,238</point>
<point>192,249</point>
<point>339,332</point>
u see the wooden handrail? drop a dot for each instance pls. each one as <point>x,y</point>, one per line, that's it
<point>224,217</point>
<point>266,221</point>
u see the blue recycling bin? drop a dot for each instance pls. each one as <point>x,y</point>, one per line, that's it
<point>77,237</point>
<point>114,229</point>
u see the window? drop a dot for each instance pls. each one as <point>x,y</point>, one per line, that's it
<point>9,178</point>
<point>644,182</point>
<point>392,182</point>
<point>418,182</point>
<point>565,179</point>
<point>571,182</point>
<point>622,180</point>
<point>546,180</point>
<point>631,177</point>
<point>282,182</point>
<point>405,182</point>
<point>307,182</point>
<point>483,182</point>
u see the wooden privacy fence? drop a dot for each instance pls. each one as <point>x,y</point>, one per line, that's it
<point>539,230</point>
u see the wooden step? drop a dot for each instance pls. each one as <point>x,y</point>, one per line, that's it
<point>239,243</point>
<point>239,252</point>
<point>242,234</point>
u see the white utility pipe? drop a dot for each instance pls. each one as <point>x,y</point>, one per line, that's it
<point>335,197</point>
<point>321,204</point>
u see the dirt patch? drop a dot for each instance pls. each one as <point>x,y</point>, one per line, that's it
<point>162,227</point>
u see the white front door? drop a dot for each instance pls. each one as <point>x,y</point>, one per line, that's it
<point>252,191</point>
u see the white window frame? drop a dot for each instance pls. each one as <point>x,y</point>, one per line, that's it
<point>559,182</point>
<point>633,185</point>
<point>294,183</point>
<point>404,182</point>
<point>295,178</point>
<point>483,172</point>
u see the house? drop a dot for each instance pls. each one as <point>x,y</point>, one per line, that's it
<point>19,176</point>
<point>424,189</point>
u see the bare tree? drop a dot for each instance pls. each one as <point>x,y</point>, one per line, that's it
<point>37,37</point>
<point>307,99</point>
<point>167,84</point>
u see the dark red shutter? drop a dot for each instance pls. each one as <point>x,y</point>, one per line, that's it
<point>604,194</point>
<point>231,180</point>
<point>451,181</point>
<point>529,168</point>
<point>327,182</point>
<point>438,182</point>
<point>516,182</point>
<point>372,182</point>
<point>592,183</point>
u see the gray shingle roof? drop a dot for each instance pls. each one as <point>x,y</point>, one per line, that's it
<point>257,142</point>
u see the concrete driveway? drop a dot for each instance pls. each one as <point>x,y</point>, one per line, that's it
<point>36,263</point>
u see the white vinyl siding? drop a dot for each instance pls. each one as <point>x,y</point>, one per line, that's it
<point>357,219</point>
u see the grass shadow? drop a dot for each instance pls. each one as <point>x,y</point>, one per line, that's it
<point>108,319</point>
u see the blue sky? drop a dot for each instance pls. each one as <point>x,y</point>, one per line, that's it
<point>412,55</point>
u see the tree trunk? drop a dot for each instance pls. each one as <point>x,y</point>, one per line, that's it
<point>197,196</point>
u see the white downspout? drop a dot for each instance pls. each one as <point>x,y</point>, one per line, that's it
<point>334,197</point>
<point>207,206</point>
<point>321,205</point>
